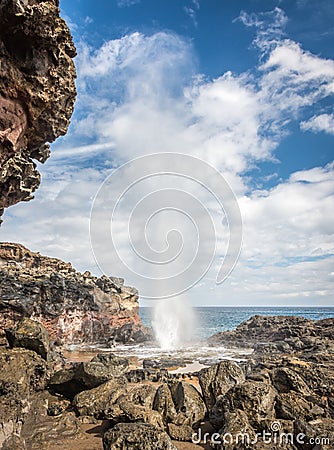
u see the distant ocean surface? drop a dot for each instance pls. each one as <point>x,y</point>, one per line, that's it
<point>211,320</point>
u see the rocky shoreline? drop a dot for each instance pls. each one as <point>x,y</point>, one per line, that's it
<point>278,400</point>
<point>76,308</point>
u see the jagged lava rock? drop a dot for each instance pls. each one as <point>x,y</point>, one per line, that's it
<point>98,401</point>
<point>37,91</point>
<point>216,380</point>
<point>136,436</point>
<point>31,335</point>
<point>76,308</point>
<point>189,404</point>
<point>280,334</point>
<point>116,364</point>
<point>22,373</point>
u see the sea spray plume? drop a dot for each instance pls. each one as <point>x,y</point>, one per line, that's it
<point>174,322</point>
<point>160,221</point>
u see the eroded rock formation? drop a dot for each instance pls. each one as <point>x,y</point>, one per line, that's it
<point>75,308</point>
<point>37,91</point>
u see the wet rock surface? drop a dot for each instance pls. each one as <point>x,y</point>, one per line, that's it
<point>75,308</point>
<point>37,91</point>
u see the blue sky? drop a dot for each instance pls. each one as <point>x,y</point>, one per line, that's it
<point>246,86</point>
<point>221,42</point>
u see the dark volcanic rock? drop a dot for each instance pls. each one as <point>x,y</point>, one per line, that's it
<point>40,428</point>
<point>255,398</point>
<point>115,364</point>
<point>80,377</point>
<point>31,335</point>
<point>218,379</point>
<point>98,401</point>
<point>320,433</point>
<point>37,91</point>
<point>237,422</point>
<point>292,406</point>
<point>285,379</point>
<point>135,405</point>
<point>280,334</point>
<point>188,403</point>
<point>22,373</point>
<point>180,432</point>
<point>181,404</point>
<point>136,436</point>
<point>163,403</point>
<point>74,307</point>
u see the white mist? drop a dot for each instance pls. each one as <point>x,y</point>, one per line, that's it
<point>173,322</point>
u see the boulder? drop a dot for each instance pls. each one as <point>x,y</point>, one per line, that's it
<point>115,364</point>
<point>39,428</point>
<point>130,412</point>
<point>218,379</point>
<point>255,398</point>
<point>136,436</point>
<point>98,401</point>
<point>180,403</point>
<point>314,435</point>
<point>31,335</point>
<point>135,405</point>
<point>12,412</point>
<point>22,372</point>
<point>180,432</point>
<point>189,402</point>
<point>237,426</point>
<point>13,442</point>
<point>285,379</point>
<point>80,377</point>
<point>163,403</point>
<point>292,406</point>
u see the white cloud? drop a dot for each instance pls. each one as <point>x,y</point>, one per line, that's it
<point>142,94</point>
<point>127,3</point>
<point>191,11</point>
<point>323,122</point>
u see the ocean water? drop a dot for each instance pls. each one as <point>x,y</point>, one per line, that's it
<point>197,354</point>
<point>211,320</point>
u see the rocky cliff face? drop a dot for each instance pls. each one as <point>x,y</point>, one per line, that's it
<point>76,308</point>
<point>37,91</point>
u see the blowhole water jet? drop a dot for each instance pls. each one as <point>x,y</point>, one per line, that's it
<point>173,322</point>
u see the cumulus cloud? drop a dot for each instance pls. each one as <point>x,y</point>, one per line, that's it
<point>142,94</point>
<point>323,122</point>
